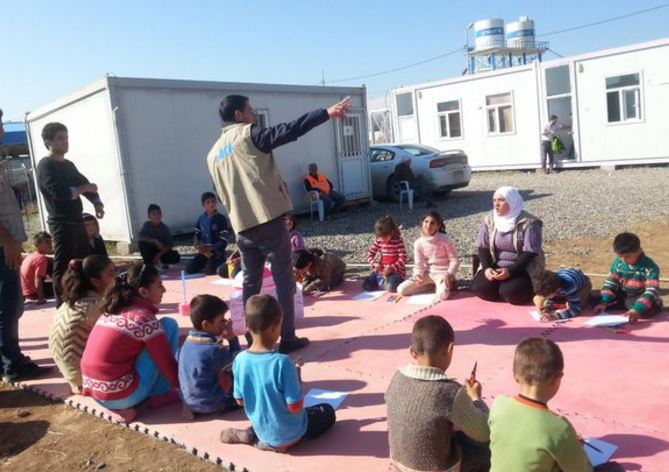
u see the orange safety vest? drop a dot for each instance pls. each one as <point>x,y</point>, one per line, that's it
<point>321,184</point>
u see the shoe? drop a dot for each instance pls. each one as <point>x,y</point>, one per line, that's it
<point>27,371</point>
<point>291,345</point>
<point>238,436</point>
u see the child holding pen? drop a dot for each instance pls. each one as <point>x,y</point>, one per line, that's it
<point>424,405</point>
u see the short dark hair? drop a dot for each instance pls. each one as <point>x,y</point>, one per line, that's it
<point>626,242</point>
<point>430,334</point>
<point>153,207</point>
<point>205,307</point>
<point>51,129</point>
<point>553,117</point>
<point>41,237</point>
<point>231,104</point>
<point>207,196</point>
<point>290,217</point>
<point>262,312</point>
<point>549,282</point>
<point>537,361</point>
<point>89,217</point>
<point>304,257</point>
<point>386,226</point>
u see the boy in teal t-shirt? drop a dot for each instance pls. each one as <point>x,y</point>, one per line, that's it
<point>268,385</point>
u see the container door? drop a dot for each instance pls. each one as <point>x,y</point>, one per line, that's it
<point>350,137</point>
<point>559,102</point>
<point>407,128</point>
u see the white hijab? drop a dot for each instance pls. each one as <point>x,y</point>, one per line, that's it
<point>506,223</point>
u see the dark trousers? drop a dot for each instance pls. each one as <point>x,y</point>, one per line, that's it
<point>516,290</point>
<point>333,202</point>
<point>70,241</point>
<point>626,302</point>
<point>47,288</point>
<point>149,250</point>
<point>271,241</point>
<point>320,418</point>
<point>422,189</point>
<point>11,309</point>
<point>546,155</point>
<point>391,282</point>
<point>211,265</point>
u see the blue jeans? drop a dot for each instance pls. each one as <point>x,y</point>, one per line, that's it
<point>332,203</point>
<point>271,241</point>
<point>151,381</point>
<point>11,309</point>
<point>375,282</point>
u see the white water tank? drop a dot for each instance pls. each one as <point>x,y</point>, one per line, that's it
<point>489,34</point>
<point>520,34</point>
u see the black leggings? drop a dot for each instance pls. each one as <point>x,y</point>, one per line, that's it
<point>319,419</point>
<point>516,290</point>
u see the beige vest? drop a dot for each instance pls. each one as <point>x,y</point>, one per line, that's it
<point>535,268</point>
<point>247,180</point>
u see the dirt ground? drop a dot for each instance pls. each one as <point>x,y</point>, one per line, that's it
<point>36,434</point>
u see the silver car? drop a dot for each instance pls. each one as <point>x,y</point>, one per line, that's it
<point>442,170</point>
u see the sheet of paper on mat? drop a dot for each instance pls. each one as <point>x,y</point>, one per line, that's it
<point>227,282</point>
<point>595,457</point>
<point>316,396</point>
<point>424,299</point>
<point>368,296</point>
<point>607,320</point>
<point>536,315</point>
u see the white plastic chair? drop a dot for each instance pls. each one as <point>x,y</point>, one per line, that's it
<point>315,201</point>
<point>405,190</point>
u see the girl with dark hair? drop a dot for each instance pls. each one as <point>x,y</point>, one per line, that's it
<point>130,356</point>
<point>389,271</point>
<point>320,272</point>
<point>435,261</point>
<point>296,239</point>
<point>84,284</point>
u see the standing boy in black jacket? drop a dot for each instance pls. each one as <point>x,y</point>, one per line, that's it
<point>61,185</point>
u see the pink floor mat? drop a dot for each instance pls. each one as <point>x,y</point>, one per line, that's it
<point>614,387</point>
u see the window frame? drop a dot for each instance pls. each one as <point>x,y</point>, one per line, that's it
<point>622,106</point>
<point>446,115</point>
<point>497,107</point>
<point>377,152</point>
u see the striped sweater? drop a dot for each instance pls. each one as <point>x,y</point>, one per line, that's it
<point>640,280</point>
<point>393,255</point>
<point>70,331</point>
<point>572,282</point>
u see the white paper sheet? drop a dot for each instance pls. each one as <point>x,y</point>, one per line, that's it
<point>424,299</point>
<point>536,315</point>
<point>316,396</point>
<point>595,457</point>
<point>607,320</point>
<point>368,296</point>
<point>226,282</point>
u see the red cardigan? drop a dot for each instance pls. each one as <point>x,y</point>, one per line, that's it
<point>108,363</point>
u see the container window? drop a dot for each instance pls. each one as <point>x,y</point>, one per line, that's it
<point>450,124</point>
<point>404,104</point>
<point>623,98</point>
<point>557,81</point>
<point>500,113</point>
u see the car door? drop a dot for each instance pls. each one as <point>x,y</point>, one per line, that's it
<point>382,164</point>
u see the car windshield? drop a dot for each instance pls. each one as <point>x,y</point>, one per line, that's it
<point>418,150</point>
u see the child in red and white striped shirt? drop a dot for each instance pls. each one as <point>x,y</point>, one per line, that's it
<point>390,270</point>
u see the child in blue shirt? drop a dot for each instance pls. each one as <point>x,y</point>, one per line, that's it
<point>562,294</point>
<point>212,235</point>
<point>204,363</point>
<point>268,386</point>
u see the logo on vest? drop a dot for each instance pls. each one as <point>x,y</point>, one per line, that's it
<point>225,152</point>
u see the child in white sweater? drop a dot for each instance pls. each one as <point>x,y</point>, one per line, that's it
<point>435,261</point>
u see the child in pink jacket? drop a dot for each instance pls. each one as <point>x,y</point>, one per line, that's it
<point>436,261</point>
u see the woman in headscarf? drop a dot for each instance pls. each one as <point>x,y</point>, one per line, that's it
<point>509,248</point>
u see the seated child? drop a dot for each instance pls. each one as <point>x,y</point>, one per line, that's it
<point>269,387</point>
<point>95,241</point>
<point>524,433</point>
<point>562,294</point>
<point>424,405</point>
<point>130,354</point>
<point>320,272</point>
<point>155,240</point>
<point>212,234</point>
<point>296,239</point>
<point>633,283</point>
<point>204,363</point>
<point>390,271</point>
<point>35,268</point>
<point>436,261</point>
<point>84,284</point>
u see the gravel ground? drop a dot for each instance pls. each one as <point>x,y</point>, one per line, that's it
<point>572,204</point>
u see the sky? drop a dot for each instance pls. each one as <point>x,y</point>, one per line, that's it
<point>54,48</point>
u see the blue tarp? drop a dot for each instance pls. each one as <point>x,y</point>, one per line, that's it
<point>15,134</point>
